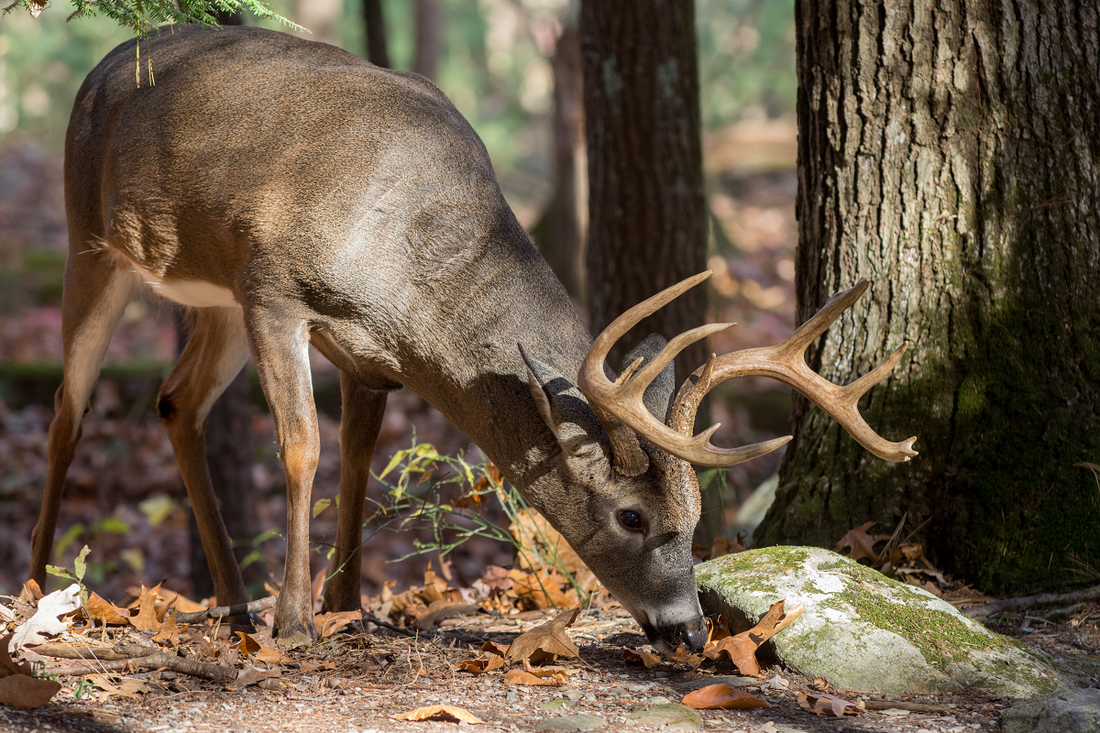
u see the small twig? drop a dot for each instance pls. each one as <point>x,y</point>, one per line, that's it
<point>387,625</point>
<point>1028,602</point>
<point>241,609</point>
<point>888,551</point>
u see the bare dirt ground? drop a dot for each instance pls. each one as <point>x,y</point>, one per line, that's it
<point>359,680</point>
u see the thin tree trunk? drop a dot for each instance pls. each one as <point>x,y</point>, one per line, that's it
<point>429,30</point>
<point>375,24</point>
<point>560,235</point>
<point>949,152</point>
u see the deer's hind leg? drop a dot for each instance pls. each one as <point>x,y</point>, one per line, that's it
<point>97,290</point>
<point>215,353</point>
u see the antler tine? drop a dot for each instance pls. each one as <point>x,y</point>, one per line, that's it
<point>805,334</point>
<point>597,353</point>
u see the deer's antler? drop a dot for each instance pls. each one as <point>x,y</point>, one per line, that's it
<point>620,408</point>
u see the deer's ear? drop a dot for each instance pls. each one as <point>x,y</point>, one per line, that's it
<point>563,408</point>
<point>660,392</point>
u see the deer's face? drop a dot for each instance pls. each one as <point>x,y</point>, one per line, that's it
<point>635,533</point>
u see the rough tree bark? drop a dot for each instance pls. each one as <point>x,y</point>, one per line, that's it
<point>950,152</point>
<point>647,224</point>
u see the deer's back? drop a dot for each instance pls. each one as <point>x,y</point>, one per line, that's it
<point>279,152</point>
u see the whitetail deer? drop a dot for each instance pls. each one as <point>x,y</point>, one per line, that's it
<point>291,194</point>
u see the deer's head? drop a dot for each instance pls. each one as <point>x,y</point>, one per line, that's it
<point>627,449</point>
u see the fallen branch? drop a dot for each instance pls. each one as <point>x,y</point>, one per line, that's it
<point>241,609</point>
<point>103,654</point>
<point>1027,602</point>
<point>160,660</point>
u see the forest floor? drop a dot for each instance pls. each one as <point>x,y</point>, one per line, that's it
<point>355,681</point>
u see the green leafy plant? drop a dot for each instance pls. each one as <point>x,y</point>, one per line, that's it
<point>447,496</point>
<point>76,575</point>
<point>81,688</point>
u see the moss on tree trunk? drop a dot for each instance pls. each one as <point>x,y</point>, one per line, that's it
<point>950,153</point>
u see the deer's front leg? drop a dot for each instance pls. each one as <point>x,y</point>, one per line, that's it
<point>281,351</point>
<point>360,420</point>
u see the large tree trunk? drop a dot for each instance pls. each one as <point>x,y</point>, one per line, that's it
<point>647,224</point>
<point>948,151</point>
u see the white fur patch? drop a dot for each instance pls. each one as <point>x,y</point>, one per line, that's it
<point>194,293</point>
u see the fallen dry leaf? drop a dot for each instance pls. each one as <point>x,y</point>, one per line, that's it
<point>251,675</point>
<point>146,619</point>
<point>440,712</point>
<point>861,543</point>
<point>524,677</point>
<point>649,660</point>
<point>249,645</point>
<point>104,611</point>
<point>181,603</point>
<point>718,628</point>
<point>546,641</point>
<point>26,693</point>
<point>308,665</point>
<point>329,623</point>
<point>169,631</point>
<point>31,593</point>
<point>125,687</point>
<point>741,648</point>
<point>714,697</point>
<point>826,703</point>
<point>493,648</point>
<point>481,664</point>
<point>7,664</point>
<point>46,620</point>
<point>542,589</point>
<point>440,610</point>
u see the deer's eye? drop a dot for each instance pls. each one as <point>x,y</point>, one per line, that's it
<point>630,519</point>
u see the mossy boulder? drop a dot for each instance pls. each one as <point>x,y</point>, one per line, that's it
<point>863,631</point>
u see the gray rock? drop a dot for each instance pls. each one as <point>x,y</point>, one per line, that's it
<point>863,631</point>
<point>674,715</point>
<point>571,724</point>
<point>1068,711</point>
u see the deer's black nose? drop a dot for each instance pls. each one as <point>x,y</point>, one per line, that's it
<point>694,635</point>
